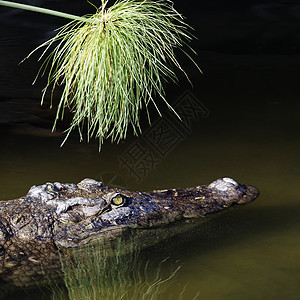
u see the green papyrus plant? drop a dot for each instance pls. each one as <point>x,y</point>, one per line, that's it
<point>113,63</point>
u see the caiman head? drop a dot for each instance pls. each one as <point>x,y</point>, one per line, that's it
<point>72,215</point>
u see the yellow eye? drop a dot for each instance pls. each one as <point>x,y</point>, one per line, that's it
<point>118,200</point>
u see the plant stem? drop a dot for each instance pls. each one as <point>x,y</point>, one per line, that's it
<point>43,11</point>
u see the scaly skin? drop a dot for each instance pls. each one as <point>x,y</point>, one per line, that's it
<point>53,216</point>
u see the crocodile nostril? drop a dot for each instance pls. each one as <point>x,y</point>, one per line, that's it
<point>49,187</point>
<point>224,184</point>
<point>230,181</point>
<point>58,186</point>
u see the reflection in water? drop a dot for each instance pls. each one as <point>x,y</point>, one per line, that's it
<point>103,271</point>
<point>140,264</point>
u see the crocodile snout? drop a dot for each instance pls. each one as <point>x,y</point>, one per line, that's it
<point>232,192</point>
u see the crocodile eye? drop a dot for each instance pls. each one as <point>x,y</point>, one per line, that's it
<point>118,200</point>
<point>115,199</point>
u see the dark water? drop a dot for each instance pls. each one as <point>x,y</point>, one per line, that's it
<point>244,124</point>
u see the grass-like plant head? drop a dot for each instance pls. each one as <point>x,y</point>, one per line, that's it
<point>114,63</point>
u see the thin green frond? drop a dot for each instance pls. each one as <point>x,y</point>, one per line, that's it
<point>115,64</point>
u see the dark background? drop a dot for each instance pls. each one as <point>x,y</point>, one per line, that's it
<point>248,52</point>
<point>235,38</point>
